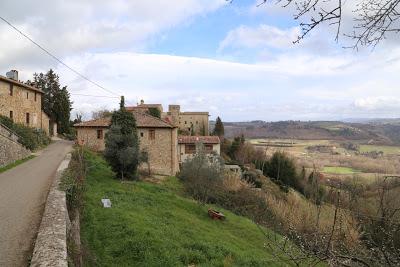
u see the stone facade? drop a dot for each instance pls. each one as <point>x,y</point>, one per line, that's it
<point>10,149</point>
<point>92,137</point>
<point>162,149</point>
<point>156,136</point>
<point>186,121</point>
<point>22,103</point>
<point>188,145</point>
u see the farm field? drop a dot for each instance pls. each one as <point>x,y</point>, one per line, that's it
<point>330,158</point>
<point>387,150</point>
<point>339,170</point>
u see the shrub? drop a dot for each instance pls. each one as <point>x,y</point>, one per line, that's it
<point>30,138</point>
<point>201,176</point>
<point>253,177</point>
<point>282,170</point>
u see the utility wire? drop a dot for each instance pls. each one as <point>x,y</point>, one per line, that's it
<point>95,95</point>
<point>56,58</point>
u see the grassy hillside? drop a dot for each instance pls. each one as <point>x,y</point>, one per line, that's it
<point>152,225</point>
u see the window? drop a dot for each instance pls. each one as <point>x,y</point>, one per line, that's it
<point>27,118</point>
<point>99,134</point>
<point>11,90</point>
<point>27,95</point>
<point>152,134</point>
<point>185,122</point>
<point>190,148</point>
<point>11,115</point>
<point>208,148</point>
<point>141,134</point>
<point>197,122</point>
<point>35,96</point>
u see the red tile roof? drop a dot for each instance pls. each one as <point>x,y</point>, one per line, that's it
<point>142,121</point>
<point>182,139</point>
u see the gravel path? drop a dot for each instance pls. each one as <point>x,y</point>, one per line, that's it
<point>23,192</point>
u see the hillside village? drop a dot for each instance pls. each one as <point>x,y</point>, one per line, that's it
<point>199,133</point>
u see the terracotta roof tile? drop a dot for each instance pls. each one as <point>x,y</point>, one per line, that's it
<point>182,139</point>
<point>142,121</point>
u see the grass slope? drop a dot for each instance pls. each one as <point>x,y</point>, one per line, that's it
<point>151,225</point>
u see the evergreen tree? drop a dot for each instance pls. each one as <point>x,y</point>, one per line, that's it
<point>219,128</point>
<point>155,112</point>
<point>283,169</point>
<point>56,100</point>
<point>192,133</point>
<point>122,144</point>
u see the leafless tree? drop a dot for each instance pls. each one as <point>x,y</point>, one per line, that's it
<point>373,20</point>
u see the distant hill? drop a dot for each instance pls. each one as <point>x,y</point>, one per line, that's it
<point>379,131</point>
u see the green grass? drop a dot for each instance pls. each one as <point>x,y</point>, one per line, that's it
<point>340,170</point>
<point>15,163</point>
<point>152,225</point>
<point>385,149</point>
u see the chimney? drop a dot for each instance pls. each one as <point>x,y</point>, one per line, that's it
<point>12,74</point>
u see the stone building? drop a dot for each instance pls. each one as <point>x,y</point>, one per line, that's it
<point>142,107</point>
<point>187,122</point>
<point>187,146</point>
<point>157,137</point>
<point>22,103</point>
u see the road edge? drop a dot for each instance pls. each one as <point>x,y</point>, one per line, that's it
<point>51,242</point>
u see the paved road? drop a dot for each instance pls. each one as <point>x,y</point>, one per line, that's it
<point>23,192</point>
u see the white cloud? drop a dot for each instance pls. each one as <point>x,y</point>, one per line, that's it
<point>261,36</point>
<point>70,27</point>
<point>238,91</point>
<point>377,103</point>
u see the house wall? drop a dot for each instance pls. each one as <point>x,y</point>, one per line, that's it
<point>87,136</point>
<point>163,150</point>
<point>20,105</point>
<point>45,123</point>
<point>186,120</point>
<point>183,155</point>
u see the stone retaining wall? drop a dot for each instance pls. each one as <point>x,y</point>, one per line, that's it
<point>51,242</point>
<point>10,149</point>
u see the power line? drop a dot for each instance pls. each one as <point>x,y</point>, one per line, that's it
<point>56,58</point>
<point>95,95</point>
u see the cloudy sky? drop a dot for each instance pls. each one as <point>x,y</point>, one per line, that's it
<point>235,60</point>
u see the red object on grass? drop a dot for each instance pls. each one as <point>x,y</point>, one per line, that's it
<point>215,215</point>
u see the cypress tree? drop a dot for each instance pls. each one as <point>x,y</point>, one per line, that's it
<point>122,144</point>
<point>219,128</point>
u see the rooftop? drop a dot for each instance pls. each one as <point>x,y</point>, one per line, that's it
<point>18,83</point>
<point>183,139</point>
<point>143,120</point>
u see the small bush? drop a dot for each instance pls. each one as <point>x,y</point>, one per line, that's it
<point>30,138</point>
<point>202,178</point>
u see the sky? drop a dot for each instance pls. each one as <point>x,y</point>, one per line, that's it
<point>234,59</point>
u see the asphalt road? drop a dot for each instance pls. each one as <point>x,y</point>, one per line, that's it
<point>23,192</point>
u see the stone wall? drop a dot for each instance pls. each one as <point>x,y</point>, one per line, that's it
<point>183,155</point>
<point>51,242</point>
<point>22,101</point>
<point>187,120</point>
<point>163,150</point>
<point>88,136</point>
<point>10,149</point>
